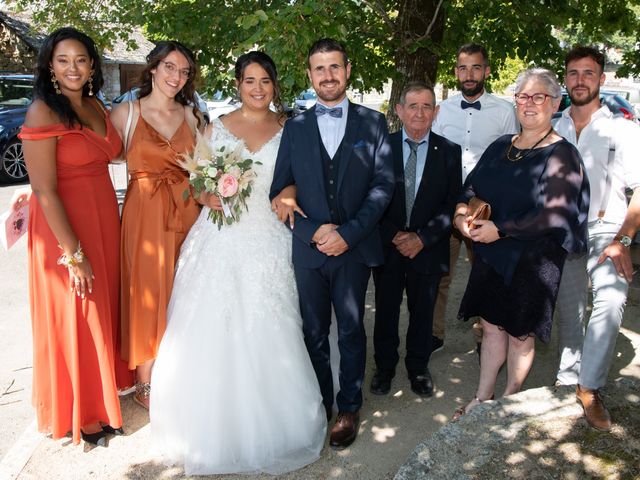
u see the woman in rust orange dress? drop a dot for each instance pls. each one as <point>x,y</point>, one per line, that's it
<point>156,217</point>
<point>73,243</point>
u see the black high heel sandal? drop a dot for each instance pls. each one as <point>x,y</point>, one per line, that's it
<point>98,439</point>
<point>112,431</point>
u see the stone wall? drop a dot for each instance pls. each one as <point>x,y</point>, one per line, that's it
<point>111,88</point>
<point>15,55</point>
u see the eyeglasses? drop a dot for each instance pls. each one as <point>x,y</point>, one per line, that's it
<point>536,98</point>
<point>171,69</point>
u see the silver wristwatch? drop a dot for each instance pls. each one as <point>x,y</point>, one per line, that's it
<point>625,240</point>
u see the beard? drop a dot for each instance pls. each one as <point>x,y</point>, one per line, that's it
<point>579,102</point>
<point>472,91</point>
<point>330,96</point>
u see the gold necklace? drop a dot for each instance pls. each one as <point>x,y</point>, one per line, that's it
<point>524,152</point>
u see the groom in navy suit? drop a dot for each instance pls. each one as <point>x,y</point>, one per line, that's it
<point>338,156</point>
<point>415,234</point>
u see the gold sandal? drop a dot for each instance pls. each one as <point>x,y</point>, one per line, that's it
<point>143,392</point>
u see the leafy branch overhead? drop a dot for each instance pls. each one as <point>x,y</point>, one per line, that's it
<point>398,40</point>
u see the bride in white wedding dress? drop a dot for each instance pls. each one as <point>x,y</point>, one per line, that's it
<point>233,389</point>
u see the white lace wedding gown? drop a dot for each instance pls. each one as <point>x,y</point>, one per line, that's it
<point>233,389</point>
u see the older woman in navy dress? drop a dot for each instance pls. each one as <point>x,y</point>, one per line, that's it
<point>535,184</point>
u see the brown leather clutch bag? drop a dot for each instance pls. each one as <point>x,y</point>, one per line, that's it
<point>478,210</point>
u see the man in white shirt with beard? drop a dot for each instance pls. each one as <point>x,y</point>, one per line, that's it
<point>609,147</point>
<point>473,119</point>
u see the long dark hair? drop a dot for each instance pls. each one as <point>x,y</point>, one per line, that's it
<point>268,65</point>
<point>44,89</point>
<point>187,95</point>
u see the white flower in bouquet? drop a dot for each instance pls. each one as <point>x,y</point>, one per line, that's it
<point>235,171</point>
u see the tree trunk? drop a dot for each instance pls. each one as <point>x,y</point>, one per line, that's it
<point>414,18</point>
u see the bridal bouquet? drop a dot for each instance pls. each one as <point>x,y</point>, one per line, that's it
<point>222,171</point>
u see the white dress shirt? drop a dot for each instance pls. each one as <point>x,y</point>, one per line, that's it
<point>474,129</point>
<point>331,128</point>
<point>602,133</point>
<point>421,156</point>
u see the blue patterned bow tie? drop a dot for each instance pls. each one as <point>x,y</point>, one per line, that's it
<point>335,112</point>
<point>466,105</point>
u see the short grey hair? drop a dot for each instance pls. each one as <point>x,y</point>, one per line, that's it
<point>415,86</point>
<point>542,75</point>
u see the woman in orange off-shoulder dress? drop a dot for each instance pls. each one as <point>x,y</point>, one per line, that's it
<point>156,216</point>
<point>73,244</point>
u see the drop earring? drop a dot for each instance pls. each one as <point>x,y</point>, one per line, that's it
<point>54,81</point>
<point>90,82</point>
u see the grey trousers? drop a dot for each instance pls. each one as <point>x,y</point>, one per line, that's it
<point>587,346</point>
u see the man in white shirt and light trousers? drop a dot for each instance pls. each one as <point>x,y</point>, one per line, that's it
<point>473,119</point>
<point>609,147</point>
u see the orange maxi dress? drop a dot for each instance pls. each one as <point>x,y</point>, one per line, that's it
<point>155,221</point>
<point>74,339</point>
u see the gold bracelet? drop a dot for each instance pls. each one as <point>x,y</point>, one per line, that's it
<point>72,260</point>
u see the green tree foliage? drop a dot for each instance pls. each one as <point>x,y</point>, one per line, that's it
<point>507,74</point>
<point>397,39</point>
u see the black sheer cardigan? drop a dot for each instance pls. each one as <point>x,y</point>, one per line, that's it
<point>545,193</point>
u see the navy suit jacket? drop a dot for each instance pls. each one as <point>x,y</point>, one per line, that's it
<point>438,191</point>
<point>365,183</point>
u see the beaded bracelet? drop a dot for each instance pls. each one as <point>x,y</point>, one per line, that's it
<point>72,260</point>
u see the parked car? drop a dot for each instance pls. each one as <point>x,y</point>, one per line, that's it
<point>304,101</point>
<point>220,105</point>
<point>629,93</point>
<point>16,93</point>
<point>618,105</point>
<point>133,95</point>
<point>287,109</point>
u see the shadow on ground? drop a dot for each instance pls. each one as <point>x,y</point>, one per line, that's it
<point>537,434</point>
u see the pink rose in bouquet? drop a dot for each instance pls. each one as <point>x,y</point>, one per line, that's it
<point>227,185</point>
<point>223,170</point>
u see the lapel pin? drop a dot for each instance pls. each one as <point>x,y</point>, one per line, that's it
<point>435,148</point>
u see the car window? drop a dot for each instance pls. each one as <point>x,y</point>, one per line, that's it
<point>15,92</point>
<point>615,100</point>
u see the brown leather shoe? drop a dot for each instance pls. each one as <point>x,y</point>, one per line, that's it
<point>345,430</point>
<point>594,410</point>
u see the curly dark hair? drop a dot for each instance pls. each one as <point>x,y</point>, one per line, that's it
<point>269,66</point>
<point>43,88</point>
<point>187,95</point>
